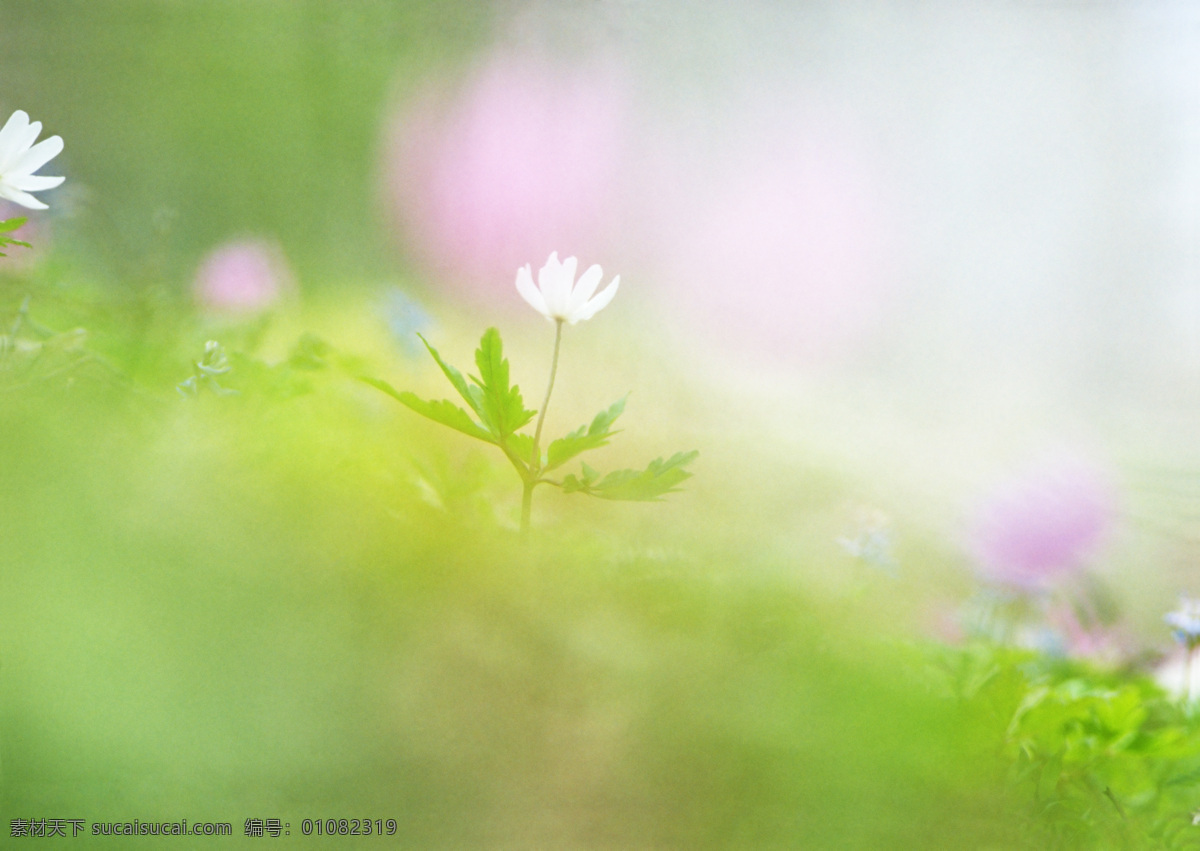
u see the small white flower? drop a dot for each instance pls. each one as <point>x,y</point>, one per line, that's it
<point>558,297</point>
<point>1178,677</point>
<point>20,158</point>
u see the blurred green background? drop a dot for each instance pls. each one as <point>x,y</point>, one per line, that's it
<point>237,607</point>
<point>207,120</point>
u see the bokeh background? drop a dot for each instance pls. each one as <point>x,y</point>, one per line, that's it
<point>920,281</point>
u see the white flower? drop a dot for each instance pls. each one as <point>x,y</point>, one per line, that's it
<point>558,297</point>
<point>1178,677</point>
<point>20,158</point>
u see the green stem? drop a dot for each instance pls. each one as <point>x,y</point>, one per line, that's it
<point>526,507</point>
<point>537,432</point>
<point>1187,675</point>
<point>535,463</point>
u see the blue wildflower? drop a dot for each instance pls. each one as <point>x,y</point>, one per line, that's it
<point>405,317</point>
<point>1185,622</point>
<point>871,541</point>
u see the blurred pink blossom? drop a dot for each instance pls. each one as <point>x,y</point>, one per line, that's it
<point>1087,638</point>
<point>1044,520</point>
<point>520,162</point>
<point>242,277</point>
<point>943,621</point>
<point>774,229</point>
<point>36,231</point>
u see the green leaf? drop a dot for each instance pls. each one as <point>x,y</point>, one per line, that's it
<point>12,224</point>
<point>503,409</point>
<point>521,446</point>
<point>499,407</point>
<point>473,396</point>
<point>572,485</point>
<point>4,241</point>
<point>649,485</point>
<point>311,353</point>
<point>585,437</point>
<point>443,411</point>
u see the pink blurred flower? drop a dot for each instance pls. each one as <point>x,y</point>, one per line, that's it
<point>778,238</point>
<point>1087,638</point>
<point>519,163</point>
<point>242,277</point>
<point>36,231</point>
<point>1044,520</point>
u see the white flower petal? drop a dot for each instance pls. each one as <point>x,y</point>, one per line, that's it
<point>19,197</point>
<point>555,286</point>
<point>33,182</point>
<point>565,285</point>
<point>11,136</point>
<point>550,268</point>
<point>37,156</point>
<point>529,292</point>
<point>17,121</point>
<point>547,275</point>
<point>32,130</point>
<point>598,303</point>
<point>568,266</point>
<point>588,282</point>
<point>21,144</point>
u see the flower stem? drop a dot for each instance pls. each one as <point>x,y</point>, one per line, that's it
<point>535,463</point>
<point>526,507</point>
<point>1187,675</point>
<point>537,432</point>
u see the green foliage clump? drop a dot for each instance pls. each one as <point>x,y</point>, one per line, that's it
<point>1099,759</point>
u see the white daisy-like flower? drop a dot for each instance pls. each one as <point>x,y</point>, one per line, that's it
<point>20,158</point>
<point>558,297</point>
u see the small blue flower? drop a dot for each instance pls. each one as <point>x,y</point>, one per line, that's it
<point>1044,640</point>
<point>871,541</point>
<point>1185,622</point>
<point>405,317</point>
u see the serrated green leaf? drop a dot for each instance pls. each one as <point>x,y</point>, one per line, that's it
<point>447,413</point>
<point>585,438</point>
<point>521,445</point>
<point>572,484</point>
<point>473,396</point>
<point>649,485</point>
<point>503,409</point>
<point>442,411</point>
<point>12,224</point>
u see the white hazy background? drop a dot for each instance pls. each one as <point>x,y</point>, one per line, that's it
<point>1041,165</point>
